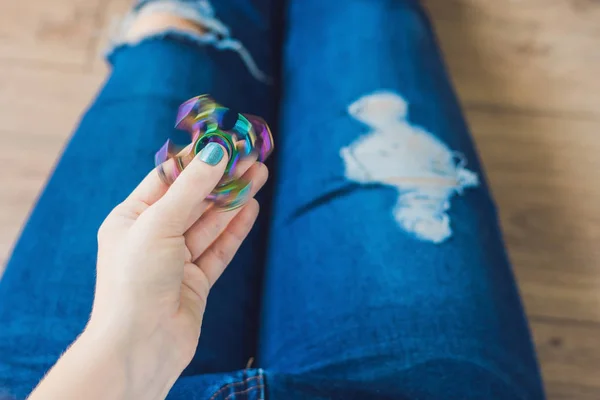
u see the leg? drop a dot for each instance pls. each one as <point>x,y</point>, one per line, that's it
<point>47,290</point>
<point>386,272</point>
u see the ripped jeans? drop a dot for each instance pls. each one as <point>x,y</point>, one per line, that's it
<point>377,269</point>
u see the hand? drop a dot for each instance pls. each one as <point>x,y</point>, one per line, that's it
<point>159,253</point>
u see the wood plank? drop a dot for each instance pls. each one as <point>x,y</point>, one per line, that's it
<point>535,54</point>
<point>568,391</point>
<point>543,172</point>
<point>570,358</point>
<point>55,32</point>
<point>44,100</point>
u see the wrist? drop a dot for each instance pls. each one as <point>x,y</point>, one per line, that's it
<point>99,365</point>
<point>150,372</point>
<point>144,336</point>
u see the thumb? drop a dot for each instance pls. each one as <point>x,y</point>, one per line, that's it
<point>185,201</point>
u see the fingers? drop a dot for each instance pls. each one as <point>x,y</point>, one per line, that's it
<point>184,202</point>
<point>212,224</point>
<point>220,253</point>
<point>152,188</point>
<point>243,166</point>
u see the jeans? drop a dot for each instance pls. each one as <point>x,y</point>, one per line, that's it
<point>377,268</point>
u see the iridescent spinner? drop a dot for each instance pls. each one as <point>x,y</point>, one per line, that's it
<point>242,135</point>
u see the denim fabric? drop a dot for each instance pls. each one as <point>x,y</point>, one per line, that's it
<point>334,296</point>
<point>253,19</point>
<point>47,290</point>
<point>349,295</point>
<point>248,384</point>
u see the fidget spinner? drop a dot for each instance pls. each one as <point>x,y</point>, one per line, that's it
<point>242,136</point>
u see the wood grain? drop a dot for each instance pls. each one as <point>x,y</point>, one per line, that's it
<point>569,355</point>
<point>47,101</point>
<point>543,171</point>
<point>569,391</point>
<point>52,33</point>
<point>539,55</point>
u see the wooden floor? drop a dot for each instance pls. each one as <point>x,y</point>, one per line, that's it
<point>528,74</point>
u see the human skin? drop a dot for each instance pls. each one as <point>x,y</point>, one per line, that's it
<point>159,254</point>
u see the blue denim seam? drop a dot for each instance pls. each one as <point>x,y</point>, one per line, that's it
<point>263,383</point>
<point>217,34</point>
<point>260,384</point>
<point>245,392</point>
<point>234,384</point>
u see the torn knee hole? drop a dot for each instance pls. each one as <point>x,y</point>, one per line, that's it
<point>148,24</point>
<point>194,22</point>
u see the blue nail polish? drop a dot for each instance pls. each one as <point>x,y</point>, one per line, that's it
<point>211,154</point>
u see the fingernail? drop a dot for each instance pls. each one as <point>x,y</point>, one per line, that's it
<point>212,154</point>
